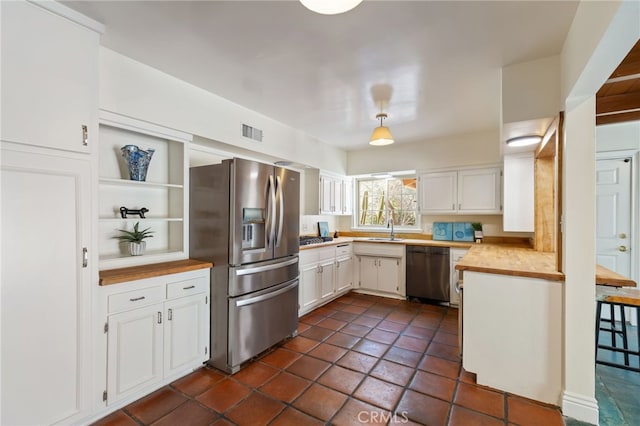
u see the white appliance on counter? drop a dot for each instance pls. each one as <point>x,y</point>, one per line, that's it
<point>244,217</point>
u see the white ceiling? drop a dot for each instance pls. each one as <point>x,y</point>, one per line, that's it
<point>434,65</point>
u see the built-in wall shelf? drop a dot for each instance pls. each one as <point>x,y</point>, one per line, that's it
<point>133,183</point>
<point>164,193</point>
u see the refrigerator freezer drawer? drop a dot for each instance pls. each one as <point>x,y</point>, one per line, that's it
<point>257,276</point>
<point>258,321</point>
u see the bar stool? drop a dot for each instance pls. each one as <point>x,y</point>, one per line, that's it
<point>618,298</point>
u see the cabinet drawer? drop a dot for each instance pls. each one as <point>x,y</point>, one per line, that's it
<point>455,255</point>
<point>344,250</point>
<point>134,299</point>
<point>187,287</point>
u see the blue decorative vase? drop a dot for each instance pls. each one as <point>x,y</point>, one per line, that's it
<point>137,161</point>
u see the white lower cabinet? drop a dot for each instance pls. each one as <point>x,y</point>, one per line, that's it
<point>380,273</point>
<point>325,273</point>
<point>381,268</point>
<point>155,333</point>
<point>455,255</point>
<point>135,343</point>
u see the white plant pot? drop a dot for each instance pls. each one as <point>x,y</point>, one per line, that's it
<point>137,249</point>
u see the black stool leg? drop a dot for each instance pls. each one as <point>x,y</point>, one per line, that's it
<point>612,313</point>
<point>598,312</point>
<point>625,342</point>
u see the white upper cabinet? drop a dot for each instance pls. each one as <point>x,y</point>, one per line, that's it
<point>519,209</point>
<point>479,191</point>
<point>468,191</point>
<point>327,194</point>
<point>49,76</point>
<point>438,192</point>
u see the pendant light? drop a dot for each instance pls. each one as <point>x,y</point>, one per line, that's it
<point>381,134</point>
<point>330,7</point>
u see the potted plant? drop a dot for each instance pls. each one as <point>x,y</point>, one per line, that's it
<point>135,239</point>
<point>477,231</point>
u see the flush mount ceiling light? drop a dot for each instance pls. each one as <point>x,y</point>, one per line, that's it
<point>330,7</point>
<point>381,134</point>
<point>524,140</point>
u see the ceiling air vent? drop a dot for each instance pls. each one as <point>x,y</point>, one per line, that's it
<point>251,133</point>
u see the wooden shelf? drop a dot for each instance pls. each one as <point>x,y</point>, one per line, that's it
<point>134,183</point>
<point>120,275</point>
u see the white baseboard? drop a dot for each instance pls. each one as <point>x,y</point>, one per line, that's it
<point>580,407</point>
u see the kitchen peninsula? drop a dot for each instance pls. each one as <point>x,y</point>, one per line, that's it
<point>512,319</point>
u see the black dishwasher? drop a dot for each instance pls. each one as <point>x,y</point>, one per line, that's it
<point>428,273</point>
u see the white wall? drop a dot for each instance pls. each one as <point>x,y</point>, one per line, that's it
<point>131,88</point>
<point>600,36</point>
<point>618,137</point>
<point>531,90</point>
<point>480,148</point>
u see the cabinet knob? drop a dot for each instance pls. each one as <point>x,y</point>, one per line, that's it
<point>622,248</point>
<point>622,236</point>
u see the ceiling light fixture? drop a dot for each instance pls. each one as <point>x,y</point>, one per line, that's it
<point>524,140</point>
<point>381,134</point>
<point>330,7</point>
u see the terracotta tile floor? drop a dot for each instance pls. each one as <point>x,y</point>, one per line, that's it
<point>358,360</point>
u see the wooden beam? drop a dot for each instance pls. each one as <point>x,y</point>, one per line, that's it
<point>617,118</point>
<point>615,103</point>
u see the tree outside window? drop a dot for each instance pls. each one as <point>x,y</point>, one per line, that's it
<point>381,199</point>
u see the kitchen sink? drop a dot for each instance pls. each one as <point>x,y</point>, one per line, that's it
<point>384,239</point>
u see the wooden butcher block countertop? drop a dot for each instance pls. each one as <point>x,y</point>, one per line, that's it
<point>524,262</point>
<point>115,276</point>
<point>506,260</point>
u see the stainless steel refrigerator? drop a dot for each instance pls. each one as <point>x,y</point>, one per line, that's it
<point>244,217</point>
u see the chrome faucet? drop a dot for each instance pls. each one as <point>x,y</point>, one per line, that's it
<point>392,234</point>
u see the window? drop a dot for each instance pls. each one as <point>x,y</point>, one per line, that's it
<point>381,199</point>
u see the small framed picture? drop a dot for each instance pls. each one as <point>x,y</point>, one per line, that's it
<point>323,229</point>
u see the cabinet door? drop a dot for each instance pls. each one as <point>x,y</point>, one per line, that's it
<point>46,291</point>
<point>49,78</point>
<point>134,351</point>
<point>479,191</point>
<point>368,266</point>
<point>347,197</point>
<point>326,195</point>
<point>344,274</point>
<point>388,274</point>
<point>327,279</point>
<point>519,192</point>
<point>185,333</point>
<point>309,294</point>
<point>454,296</point>
<point>438,192</point>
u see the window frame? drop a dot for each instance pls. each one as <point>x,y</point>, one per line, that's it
<point>357,208</point>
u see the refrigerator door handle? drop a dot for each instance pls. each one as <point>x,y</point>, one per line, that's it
<point>256,269</point>
<point>280,197</point>
<point>266,296</point>
<point>271,212</point>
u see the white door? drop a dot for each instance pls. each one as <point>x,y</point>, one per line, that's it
<point>134,351</point>
<point>309,292</point>
<point>49,78</point>
<point>368,268</point>
<point>438,192</point>
<point>344,274</point>
<point>185,333</point>
<point>388,272</point>
<point>479,191</point>
<point>46,291</point>
<point>613,215</point>
<point>327,272</point>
